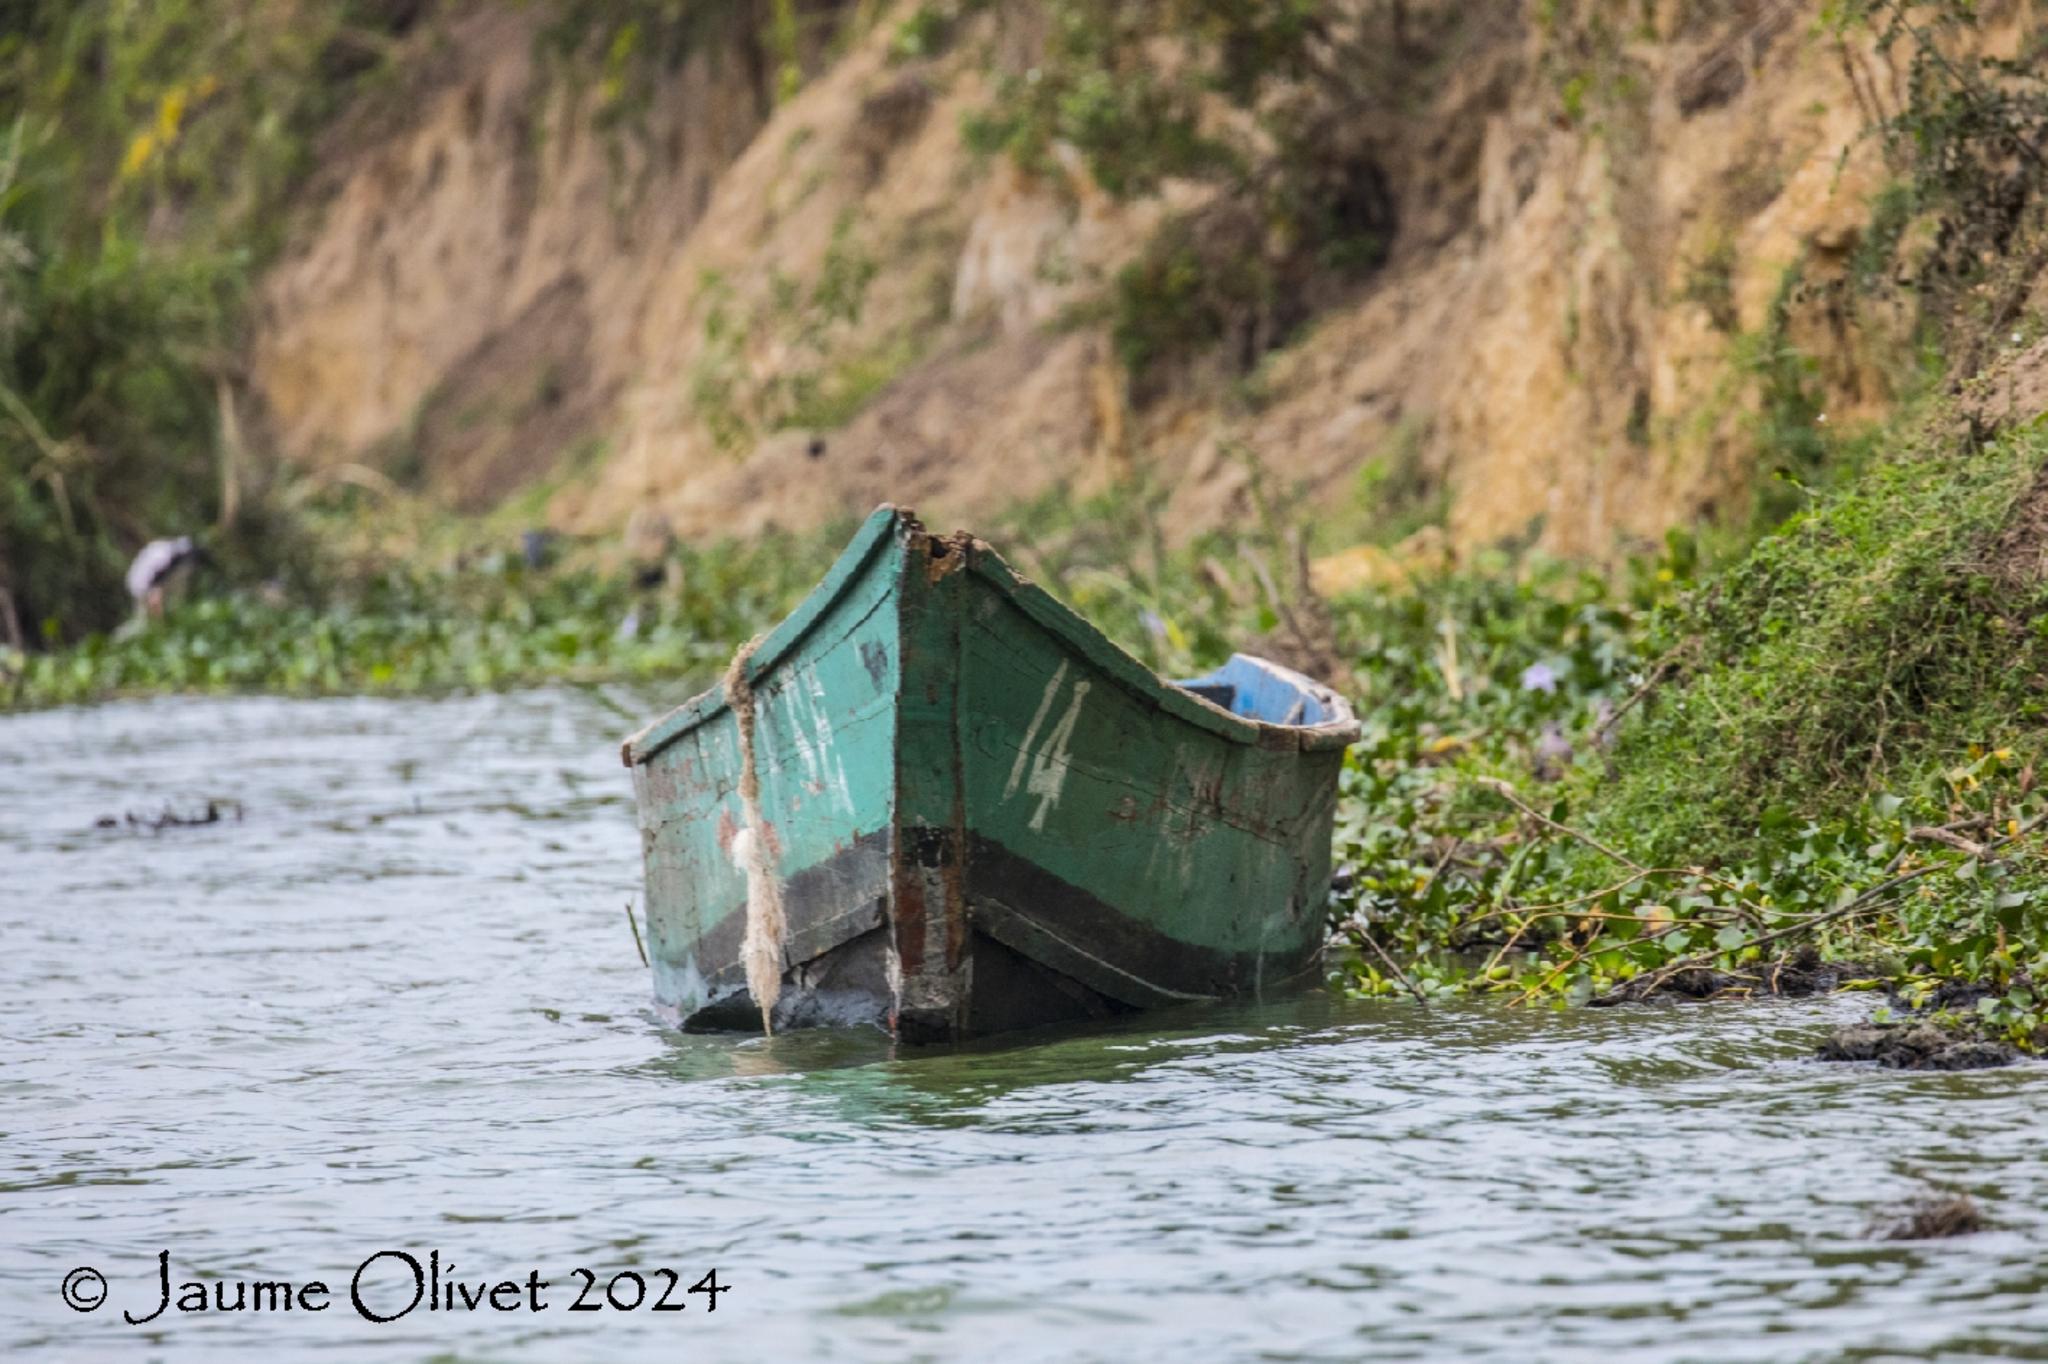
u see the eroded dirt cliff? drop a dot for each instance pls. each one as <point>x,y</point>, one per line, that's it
<point>1606,245</point>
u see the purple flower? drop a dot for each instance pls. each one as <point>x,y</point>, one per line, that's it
<point>1539,677</point>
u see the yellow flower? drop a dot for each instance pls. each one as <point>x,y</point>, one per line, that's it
<point>170,112</point>
<point>139,152</point>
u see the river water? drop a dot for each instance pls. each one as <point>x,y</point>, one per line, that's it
<point>395,1005</point>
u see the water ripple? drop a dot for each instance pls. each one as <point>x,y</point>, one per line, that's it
<point>394,1005</point>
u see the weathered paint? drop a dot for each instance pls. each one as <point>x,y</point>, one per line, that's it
<point>985,814</point>
<point>1212,836</point>
<point>930,905</point>
<point>825,695</point>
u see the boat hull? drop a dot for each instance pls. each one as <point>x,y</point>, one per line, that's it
<point>981,813</point>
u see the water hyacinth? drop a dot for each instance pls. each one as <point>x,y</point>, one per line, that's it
<point>499,622</point>
<point>1507,823</point>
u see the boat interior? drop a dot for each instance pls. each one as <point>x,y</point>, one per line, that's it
<point>1258,690</point>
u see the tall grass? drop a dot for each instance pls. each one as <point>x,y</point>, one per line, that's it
<point>143,175</point>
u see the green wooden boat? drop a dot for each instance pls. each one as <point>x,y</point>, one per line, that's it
<point>937,800</point>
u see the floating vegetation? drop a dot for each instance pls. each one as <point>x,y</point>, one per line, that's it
<point>1934,1217</point>
<point>171,817</point>
<point>497,622</point>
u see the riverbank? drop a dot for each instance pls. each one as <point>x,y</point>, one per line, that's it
<point>1825,752</point>
<point>1679,772</point>
<point>1574,786</point>
<point>478,617</point>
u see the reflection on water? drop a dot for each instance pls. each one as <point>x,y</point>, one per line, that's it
<point>396,1007</point>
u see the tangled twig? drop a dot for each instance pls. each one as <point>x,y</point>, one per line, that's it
<point>1665,667</point>
<point>1861,904</point>
<point>1365,936</point>
<point>1507,793</point>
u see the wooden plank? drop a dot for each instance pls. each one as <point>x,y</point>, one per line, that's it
<point>1191,829</point>
<point>930,905</point>
<point>1118,666</point>
<point>824,739</point>
<point>876,534</point>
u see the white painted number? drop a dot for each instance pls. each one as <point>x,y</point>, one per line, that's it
<point>1048,774</point>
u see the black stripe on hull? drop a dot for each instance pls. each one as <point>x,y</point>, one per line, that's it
<point>1040,950</point>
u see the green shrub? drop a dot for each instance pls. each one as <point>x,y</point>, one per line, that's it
<point>1132,87</point>
<point>1863,644</point>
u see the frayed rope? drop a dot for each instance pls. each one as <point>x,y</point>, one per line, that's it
<point>754,852</point>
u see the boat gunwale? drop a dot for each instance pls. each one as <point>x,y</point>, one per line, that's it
<point>1341,730</point>
<point>1116,663</point>
<point>839,580</point>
